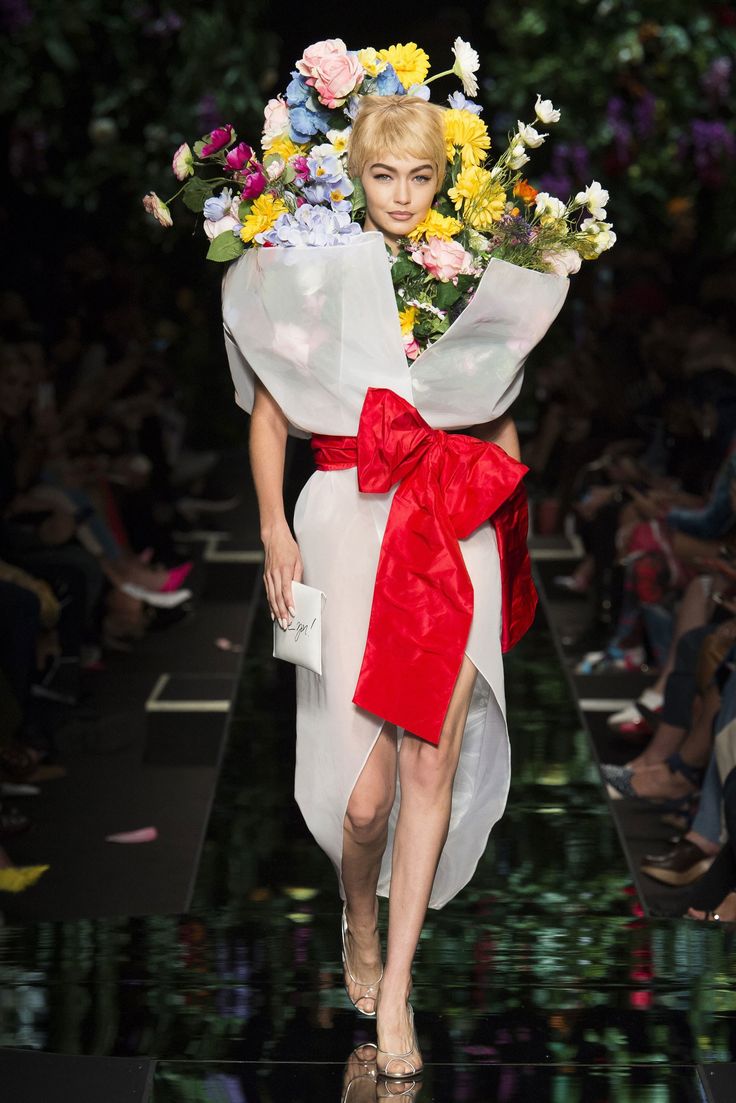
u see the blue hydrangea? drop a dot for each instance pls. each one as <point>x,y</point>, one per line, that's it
<point>387,83</point>
<point>419,90</point>
<point>297,91</point>
<point>303,124</point>
<point>315,226</point>
<point>460,103</point>
<point>217,206</point>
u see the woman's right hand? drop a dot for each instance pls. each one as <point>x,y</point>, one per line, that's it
<point>283,564</point>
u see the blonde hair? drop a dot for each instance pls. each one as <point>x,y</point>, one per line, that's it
<point>400,126</point>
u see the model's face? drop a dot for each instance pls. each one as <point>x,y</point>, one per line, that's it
<point>398,195</point>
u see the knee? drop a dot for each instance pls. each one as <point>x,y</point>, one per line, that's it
<point>367,816</point>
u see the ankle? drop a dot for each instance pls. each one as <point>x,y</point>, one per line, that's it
<point>394,993</point>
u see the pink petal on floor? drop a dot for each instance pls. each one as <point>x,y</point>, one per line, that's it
<point>142,835</point>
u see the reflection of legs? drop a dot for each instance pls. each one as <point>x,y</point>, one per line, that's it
<point>427,774</point>
<point>364,840</point>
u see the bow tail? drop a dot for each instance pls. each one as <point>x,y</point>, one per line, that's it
<point>519,596</point>
<point>420,620</point>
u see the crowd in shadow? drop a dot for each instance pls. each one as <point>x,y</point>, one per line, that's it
<point>97,478</point>
<point>635,454</point>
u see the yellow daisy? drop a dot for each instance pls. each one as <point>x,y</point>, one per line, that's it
<point>482,199</point>
<point>410,62</point>
<point>284,146</point>
<point>407,318</point>
<point>264,212</point>
<point>435,224</point>
<point>466,132</point>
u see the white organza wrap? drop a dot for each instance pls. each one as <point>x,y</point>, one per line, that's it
<point>320,326</point>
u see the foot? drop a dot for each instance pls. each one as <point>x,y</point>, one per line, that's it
<point>724,913</point>
<point>359,1078</point>
<point>362,967</point>
<point>398,1056</point>
<point>657,783</point>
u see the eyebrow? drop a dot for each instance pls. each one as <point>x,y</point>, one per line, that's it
<point>380,165</point>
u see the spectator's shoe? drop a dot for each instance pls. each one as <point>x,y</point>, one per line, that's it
<point>614,659</point>
<point>176,576</point>
<point>157,598</point>
<point>682,865</point>
<point>631,714</point>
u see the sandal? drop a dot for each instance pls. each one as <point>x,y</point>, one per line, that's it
<point>414,1072</point>
<point>620,785</point>
<point>371,990</point>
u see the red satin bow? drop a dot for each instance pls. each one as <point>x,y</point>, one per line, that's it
<point>449,483</point>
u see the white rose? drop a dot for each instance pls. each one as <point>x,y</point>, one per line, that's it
<point>529,136</point>
<point>594,198</point>
<point>518,157</point>
<point>564,263</point>
<point>214,229</point>
<point>545,112</point>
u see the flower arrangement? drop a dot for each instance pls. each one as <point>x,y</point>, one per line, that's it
<point>298,192</point>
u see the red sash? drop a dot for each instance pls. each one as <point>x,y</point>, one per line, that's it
<point>449,483</point>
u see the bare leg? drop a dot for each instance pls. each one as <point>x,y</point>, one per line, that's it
<point>365,831</point>
<point>660,781</point>
<point>427,774</point>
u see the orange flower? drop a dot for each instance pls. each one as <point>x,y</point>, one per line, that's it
<point>525,191</point>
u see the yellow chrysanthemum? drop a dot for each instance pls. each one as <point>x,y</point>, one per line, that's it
<point>407,318</point>
<point>466,132</point>
<point>435,224</point>
<point>371,61</point>
<point>482,199</point>
<point>285,148</point>
<point>264,212</point>
<point>410,62</point>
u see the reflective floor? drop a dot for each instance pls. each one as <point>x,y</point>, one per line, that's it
<point>541,982</point>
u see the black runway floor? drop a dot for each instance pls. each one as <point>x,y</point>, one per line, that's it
<point>547,980</point>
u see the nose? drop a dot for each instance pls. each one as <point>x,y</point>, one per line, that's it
<point>402,191</point>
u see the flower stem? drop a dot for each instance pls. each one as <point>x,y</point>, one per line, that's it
<point>447,73</point>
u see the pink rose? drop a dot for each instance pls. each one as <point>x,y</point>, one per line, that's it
<point>411,348</point>
<point>275,120</point>
<point>445,260</point>
<point>218,139</point>
<point>156,206</point>
<point>214,229</point>
<point>331,71</point>
<point>239,157</point>
<point>300,166</point>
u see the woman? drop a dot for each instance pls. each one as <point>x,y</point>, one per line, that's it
<point>390,808</point>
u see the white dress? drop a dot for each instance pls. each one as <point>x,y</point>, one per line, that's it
<point>319,326</point>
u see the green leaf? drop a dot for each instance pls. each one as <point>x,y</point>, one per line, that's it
<point>61,53</point>
<point>358,198</point>
<point>244,209</point>
<point>195,193</point>
<point>402,269</point>
<point>224,247</point>
<point>447,294</point>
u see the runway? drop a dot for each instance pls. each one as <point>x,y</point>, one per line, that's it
<point>543,981</point>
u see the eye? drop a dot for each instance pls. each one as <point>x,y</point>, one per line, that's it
<point>422,179</point>
<point>381,176</point>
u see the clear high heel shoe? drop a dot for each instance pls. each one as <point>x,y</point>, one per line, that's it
<point>413,1072</point>
<point>371,990</point>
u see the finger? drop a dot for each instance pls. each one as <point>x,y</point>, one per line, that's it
<point>282,612</point>
<point>270,595</point>
<point>289,593</point>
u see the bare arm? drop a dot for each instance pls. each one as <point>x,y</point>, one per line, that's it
<point>500,431</point>
<point>267,448</point>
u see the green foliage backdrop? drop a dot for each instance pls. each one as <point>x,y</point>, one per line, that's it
<point>648,94</point>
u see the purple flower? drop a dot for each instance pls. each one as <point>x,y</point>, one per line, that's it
<point>239,157</point>
<point>254,184</point>
<point>716,81</point>
<point>300,166</point>
<point>218,139</point>
<point>645,111</point>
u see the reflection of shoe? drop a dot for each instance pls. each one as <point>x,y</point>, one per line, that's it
<point>414,1071</point>
<point>359,1079</point>
<point>371,990</point>
<point>682,865</point>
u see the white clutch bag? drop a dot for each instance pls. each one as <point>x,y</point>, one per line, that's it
<point>301,641</point>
